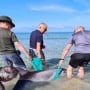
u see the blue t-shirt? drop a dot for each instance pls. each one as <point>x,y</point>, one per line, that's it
<point>36,36</point>
<point>81,40</point>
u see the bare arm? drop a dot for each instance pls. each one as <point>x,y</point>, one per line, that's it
<point>21,48</point>
<point>65,52</point>
<point>38,48</point>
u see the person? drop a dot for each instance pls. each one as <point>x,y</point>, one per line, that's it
<point>81,55</point>
<point>37,43</point>
<point>8,43</point>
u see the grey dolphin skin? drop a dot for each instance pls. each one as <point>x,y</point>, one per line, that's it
<point>34,77</point>
<point>27,78</point>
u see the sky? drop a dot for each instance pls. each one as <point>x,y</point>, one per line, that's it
<point>60,15</point>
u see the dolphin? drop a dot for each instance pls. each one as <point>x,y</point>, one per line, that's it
<point>28,77</point>
<point>34,77</point>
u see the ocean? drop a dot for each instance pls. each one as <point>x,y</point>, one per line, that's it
<point>54,43</point>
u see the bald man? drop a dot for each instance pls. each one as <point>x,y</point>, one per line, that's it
<point>37,43</point>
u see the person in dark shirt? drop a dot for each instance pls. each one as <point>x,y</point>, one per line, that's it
<point>8,41</point>
<point>36,42</point>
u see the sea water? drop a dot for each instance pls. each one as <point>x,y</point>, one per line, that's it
<point>54,43</point>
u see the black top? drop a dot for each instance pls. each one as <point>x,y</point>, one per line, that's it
<point>36,36</point>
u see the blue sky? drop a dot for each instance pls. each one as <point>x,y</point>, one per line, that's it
<point>60,15</point>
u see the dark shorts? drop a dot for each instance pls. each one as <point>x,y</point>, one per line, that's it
<point>78,59</point>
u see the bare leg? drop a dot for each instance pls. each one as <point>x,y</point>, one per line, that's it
<point>69,72</point>
<point>80,72</point>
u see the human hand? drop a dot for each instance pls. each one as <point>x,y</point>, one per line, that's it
<point>38,54</point>
<point>61,62</point>
<point>29,57</point>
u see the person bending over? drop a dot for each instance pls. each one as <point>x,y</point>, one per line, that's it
<point>81,40</point>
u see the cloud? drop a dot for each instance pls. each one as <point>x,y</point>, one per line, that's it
<point>51,8</point>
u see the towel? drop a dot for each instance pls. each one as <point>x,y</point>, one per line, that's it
<point>36,63</point>
<point>56,74</point>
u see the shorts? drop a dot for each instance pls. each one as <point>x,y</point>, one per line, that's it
<point>11,60</point>
<point>79,59</point>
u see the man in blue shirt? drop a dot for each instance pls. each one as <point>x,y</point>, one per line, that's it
<point>36,42</point>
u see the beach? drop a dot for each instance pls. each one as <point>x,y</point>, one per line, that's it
<point>54,42</point>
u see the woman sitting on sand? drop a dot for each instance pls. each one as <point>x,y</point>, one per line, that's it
<point>81,55</point>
